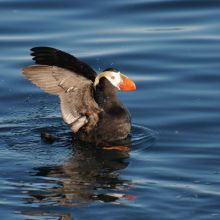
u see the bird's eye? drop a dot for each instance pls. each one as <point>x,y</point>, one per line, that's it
<point>112,77</point>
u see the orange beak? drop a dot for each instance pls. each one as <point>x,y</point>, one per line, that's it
<point>126,84</point>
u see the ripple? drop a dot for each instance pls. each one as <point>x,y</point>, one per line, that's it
<point>144,137</point>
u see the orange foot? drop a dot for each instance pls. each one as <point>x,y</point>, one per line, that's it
<point>109,147</point>
<point>117,148</point>
<point>130,198</point>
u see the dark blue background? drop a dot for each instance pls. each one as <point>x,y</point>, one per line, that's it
<point>171,50</point>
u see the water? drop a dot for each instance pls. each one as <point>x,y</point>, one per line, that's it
<point>169,168</point>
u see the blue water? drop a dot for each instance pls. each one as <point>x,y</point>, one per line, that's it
<point>170,167</point>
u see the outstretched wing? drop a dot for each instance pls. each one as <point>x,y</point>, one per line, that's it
<point>54,57</point>
<point>78,106</point>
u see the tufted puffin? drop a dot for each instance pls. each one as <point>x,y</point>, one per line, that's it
<point>88,101</point>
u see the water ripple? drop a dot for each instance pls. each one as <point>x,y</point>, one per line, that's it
<point>143,137</point>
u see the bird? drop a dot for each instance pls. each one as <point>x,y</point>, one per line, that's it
<point>88,101</point>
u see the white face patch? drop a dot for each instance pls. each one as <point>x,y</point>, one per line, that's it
<point>115,79</point>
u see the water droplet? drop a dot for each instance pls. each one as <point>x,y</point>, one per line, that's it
<point>214,214</point>
<point>197,182</point>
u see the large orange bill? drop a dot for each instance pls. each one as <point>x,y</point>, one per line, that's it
<point>126,84</point>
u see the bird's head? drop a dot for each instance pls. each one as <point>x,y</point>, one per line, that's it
<point>117,79</point>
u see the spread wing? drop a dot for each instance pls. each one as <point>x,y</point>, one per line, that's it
<point>78,106</point>
<point>54,57</point>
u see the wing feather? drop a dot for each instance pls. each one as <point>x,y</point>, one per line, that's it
<point>54,57</point>
<point>78,106</point>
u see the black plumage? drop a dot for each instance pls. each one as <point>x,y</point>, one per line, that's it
<point>88,102</point>
<point>54,57</point>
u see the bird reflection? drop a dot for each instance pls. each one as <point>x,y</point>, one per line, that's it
<point>90,174</point>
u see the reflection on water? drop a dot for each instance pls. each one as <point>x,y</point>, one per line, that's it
<point>62,216</point>
<point>171,50</point>
<point>89,175</point>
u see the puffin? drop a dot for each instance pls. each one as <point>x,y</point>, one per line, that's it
<point>88,101</point>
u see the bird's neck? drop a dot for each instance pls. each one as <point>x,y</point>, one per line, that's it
<point>105,94</point>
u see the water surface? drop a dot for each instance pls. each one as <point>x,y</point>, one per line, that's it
<point>169,167</point>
